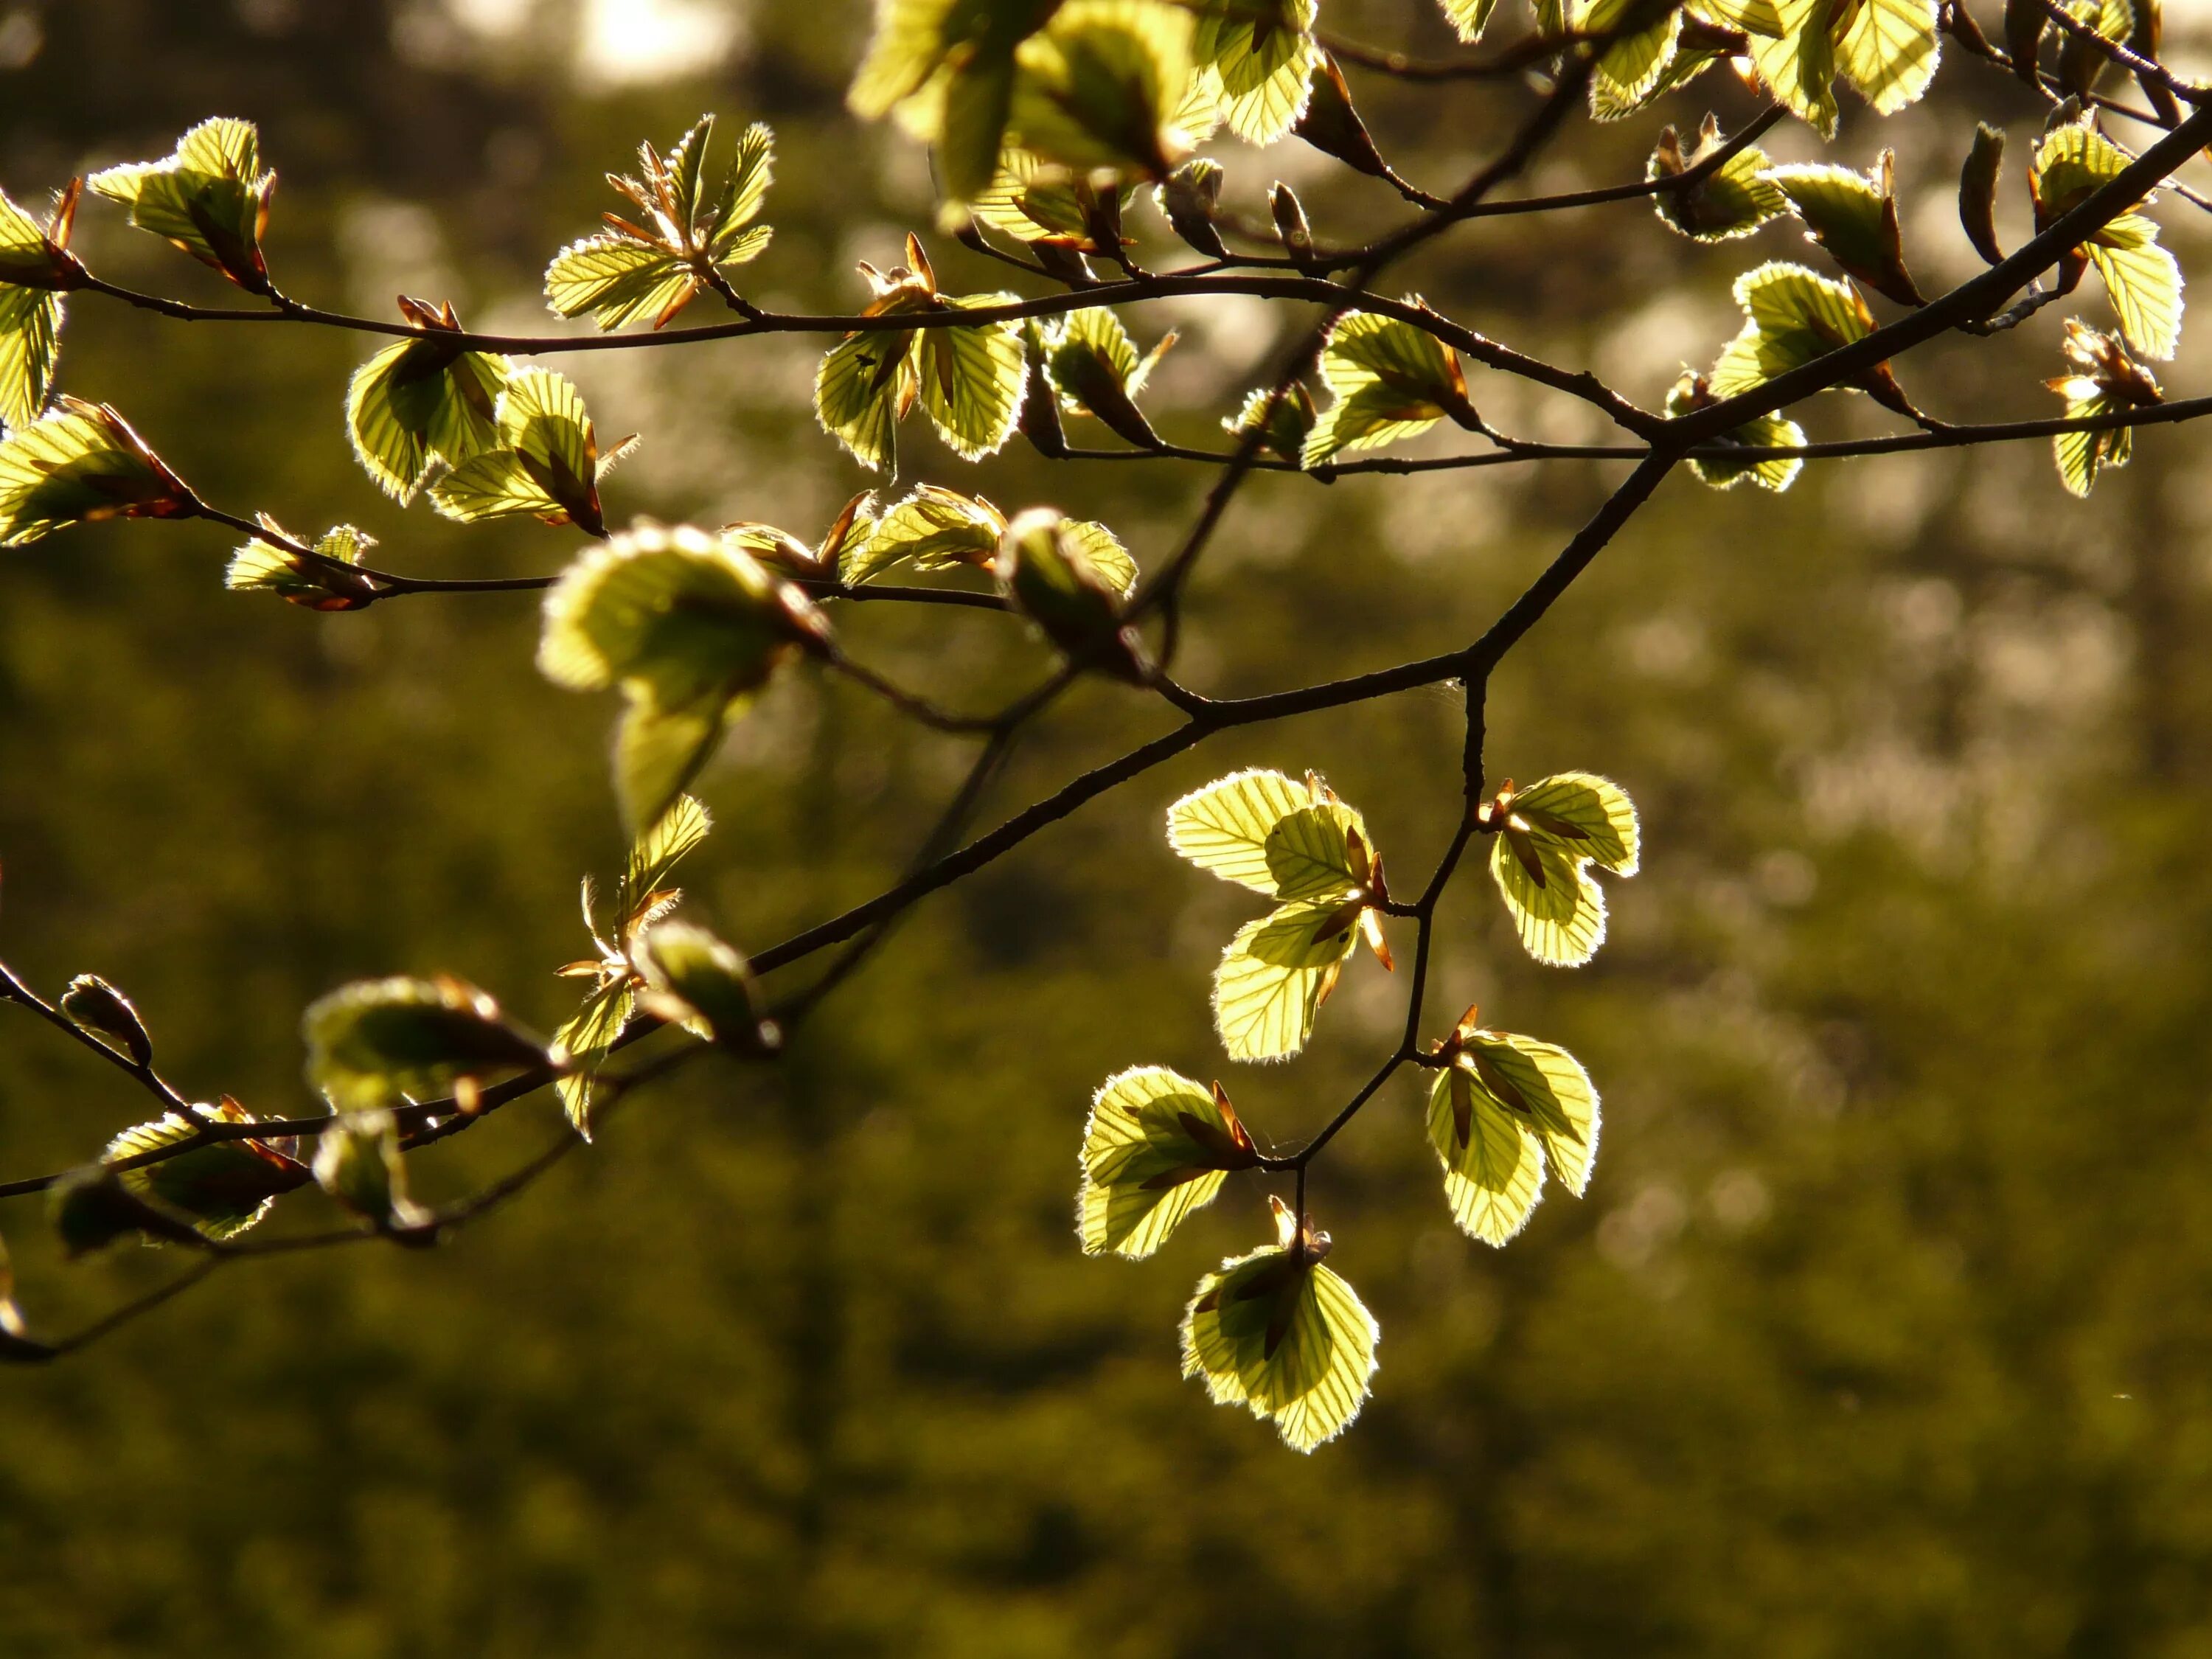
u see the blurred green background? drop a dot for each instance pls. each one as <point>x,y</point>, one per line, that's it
<point>1884,1328</point>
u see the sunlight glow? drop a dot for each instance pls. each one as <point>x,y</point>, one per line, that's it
<point>625,42</point>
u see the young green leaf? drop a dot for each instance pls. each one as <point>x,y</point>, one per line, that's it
<point>2142,279</point>
<point>1279,1333</point>
<point>1631,68</point>
<point>1503,1108</point>
<point>947,72</point>
<point>1854,217</point>
<point>694,979</point>
<point>1276,974</point>
<point>1261,56</point>
<point>1156,1148</point>
<point>1792,316</point>
<point>968,380</point>
<point>1887,49</point>
<point>584,1041</point>
<point>2105,380</point>
<point>263,566</point>
<point>357,1162</point>
<point>933,529</point>
<point>1288,420</point>
<point>220,1189</point>
<point>1035,202</point>
<point>1104,85</point>
<point>210,197</point>
<point>1187,199</point>
<point>1978,189</point>
<point>422,402</point>
<point>95,1006</point>
<point>652,267</point>
<point>1050,567</point>
<point>80,463</point>
<point>1733,200</point>
<point>1094,366</point>
<point>35,268</point>
<point>1693,392</point>
<point>1391,380</point>
<point>1547,836</point>
<point>689,627</point>
<point>1224,826</point>
<point>376,1043</point>
<point>547,465</point>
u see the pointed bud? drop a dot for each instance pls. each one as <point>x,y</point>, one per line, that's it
<point>95,1006</point>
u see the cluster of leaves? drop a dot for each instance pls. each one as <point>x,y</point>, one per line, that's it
<point>1275,1330</point>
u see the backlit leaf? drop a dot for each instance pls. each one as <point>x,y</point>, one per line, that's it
<point>1273,974</point>
<point>1262,55</point>
<point>1156,1148</point>
<point>1693,392</point>
<point>1103,85</point>
<point>1793,316</point>
<point>1552,832</point>
<point>376,1043</point>
<point>933,529</point>
<point>1284,1335</point>
<point>80,463</point>
<point>695,978</point>
<point>1734,200</point>
<point>1391,380</point>
<point>221,1188</point>
<point>971,380</point>
<point>547,465</point>
<point>422,402</point>
<point>1224,826</point>
<point>210,198</point>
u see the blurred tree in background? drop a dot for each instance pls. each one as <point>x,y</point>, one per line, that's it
<point>1884,1321</point>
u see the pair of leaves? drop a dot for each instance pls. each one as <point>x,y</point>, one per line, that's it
<point>78,463</point>
<point>35,268</point>
<point>1886,50</point>
<point>2142,279</point>
<point>379,1042</point>
<point>1279,1333</point>
<point>1853,217</point>
<point>545,462</point>
<point>2104,380</point>
<point>689,627</point>
<point>422,402</point>
<point>1547,836</point>
<point>1390,380</point>
<point>267,565</point>
<point>652,267</point>
<point>968,380</point>
<point>1287,421</point>
<point>1792,317</point>
<point>1156,1148</point>
<point>210,197</point>
<point>1299,845</point>
<point>642,897</point>
<point>1501,1110</point>
<point>1070,579</point>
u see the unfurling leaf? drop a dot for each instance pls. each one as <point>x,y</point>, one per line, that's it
<point>357,1162</point>
<point>1281,1334</point>
<point>1331,125</point>
<point>650,268</point>
<point>547,465</point>
<point>1288,421</point>
<point>219,1189</point>
<point>1501,1109</point>
<point>1391,380</point>
<point>326,582</point>
<point>1104,84</point>
<point>1094,366</point>
<point>2105,380</point>
<point>968,380</point>
<point>1693,393</point>
<point>423,401</point>
<point>1050,207</point>
<point>96,1007</point>
<point>1978,189</point>
<point>1064,576</point>
<point>1156,1148</point>
<point>210,198</point>
<point>376,1043</point>
<point>694,979</point>
<point>1547,836</point>
<point>1261,56</point>
<point>1188,198</point>
<point>2142,279</point>
<point>1633,65</point>
<point>933,529</point>
<point>1854,217</point>
<point>1733,200</point>
<point>79,463</point>
<point>689,627</point>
